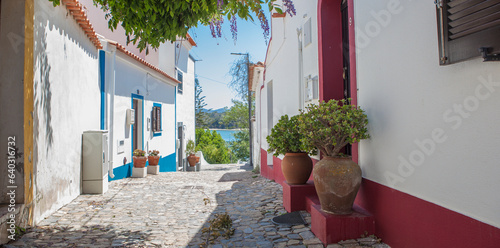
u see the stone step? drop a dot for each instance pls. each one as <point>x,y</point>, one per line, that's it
<point>327,227</point>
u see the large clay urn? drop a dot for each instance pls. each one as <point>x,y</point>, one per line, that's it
<point>337,181</point>
<point>296,168</point>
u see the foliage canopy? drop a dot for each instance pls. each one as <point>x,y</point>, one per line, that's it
<point>152,22</point>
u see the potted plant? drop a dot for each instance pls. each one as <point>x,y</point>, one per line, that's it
<point>139,158</point>
<point>190,150</point>
<point>153,157</point>
<point>286,139</point>
<point>330,126</point>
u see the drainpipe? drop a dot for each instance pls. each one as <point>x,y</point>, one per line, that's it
<point>110,78</point>
<point>301,69</point>
<point>112,112</point>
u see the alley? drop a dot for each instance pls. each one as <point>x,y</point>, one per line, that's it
<point>168,210</point>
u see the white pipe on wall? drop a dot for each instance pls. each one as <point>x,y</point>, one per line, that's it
<point>110,79</point>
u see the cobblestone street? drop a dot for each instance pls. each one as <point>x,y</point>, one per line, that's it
<point>168,210</point>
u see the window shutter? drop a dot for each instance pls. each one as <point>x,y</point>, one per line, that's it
<point>158,118</point>
<point>466,25</point>
<point>153,117</point>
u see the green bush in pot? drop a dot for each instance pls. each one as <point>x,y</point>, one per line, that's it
<point>190,153</point>
<point>286,139</point>
<point>330,126</point>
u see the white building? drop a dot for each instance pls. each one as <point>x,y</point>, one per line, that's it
<point>63,72</point>
<point>185,109</point>
<point>430,169</point>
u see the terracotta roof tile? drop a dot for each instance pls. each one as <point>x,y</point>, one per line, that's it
<point>77,11</point>
<point>191,41</point>
<point>142,61</point>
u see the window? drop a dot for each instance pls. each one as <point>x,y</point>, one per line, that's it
<point>179,77</point>
<point>312,88</point>
<point>307,32</point>
<point>156,119</point>
<point>464,26</point>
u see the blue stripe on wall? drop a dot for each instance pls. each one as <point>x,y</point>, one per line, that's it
<point>167,164</point>
<point>102,67</point>
<point>121,172</point>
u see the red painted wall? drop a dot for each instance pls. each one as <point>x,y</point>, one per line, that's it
<point>278,174</point>
<point>330,50</point>
<point>403,220</point>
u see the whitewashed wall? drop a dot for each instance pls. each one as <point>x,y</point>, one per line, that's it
<point>166,58</point>
<point>67,102</point>
<point>434,128</point>
<point>154,88</point>
<point>258,80</point>
<point>186,99</point>
<point>283,65</point>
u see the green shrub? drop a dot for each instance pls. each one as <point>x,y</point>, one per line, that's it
<point>286,137</point>
<point>332,125</point>
<point>214,148</point>
<point>240,147</point>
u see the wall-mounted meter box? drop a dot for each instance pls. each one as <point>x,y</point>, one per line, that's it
<point>130,116</point>
<point>95,162</point>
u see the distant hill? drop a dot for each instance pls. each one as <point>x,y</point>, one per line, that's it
<point>215,119</point>
<point>220,110</point>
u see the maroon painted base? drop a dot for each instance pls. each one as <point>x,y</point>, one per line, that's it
<point>331,228</point>
<point>402,221</point>
<point>294,196</point>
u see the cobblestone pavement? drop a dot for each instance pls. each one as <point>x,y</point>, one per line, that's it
<point>168,210</point>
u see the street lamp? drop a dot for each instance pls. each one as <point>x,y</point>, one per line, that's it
<point>249,105</point>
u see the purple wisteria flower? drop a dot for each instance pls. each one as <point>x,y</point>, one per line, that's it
<point>234,28</point>
<point>290,8</point>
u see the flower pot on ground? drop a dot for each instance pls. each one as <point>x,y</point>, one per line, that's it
<point>139,158</point>
<point>190,150</point>
<point>330,126</point>
<point>286,139</point>
<point>153,157</point>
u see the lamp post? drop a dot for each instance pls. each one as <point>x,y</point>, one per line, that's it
<point>249,105</point>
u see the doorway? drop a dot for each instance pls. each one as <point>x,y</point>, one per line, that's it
<point>346,60</point>
<point>180,147</point>
<point>137,127</point>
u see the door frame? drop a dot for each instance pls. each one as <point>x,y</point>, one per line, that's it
<point>141,127</point>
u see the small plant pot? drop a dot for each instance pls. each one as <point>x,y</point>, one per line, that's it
<point>140,162</point>
<point>153,160</point>
<point>192,159</point>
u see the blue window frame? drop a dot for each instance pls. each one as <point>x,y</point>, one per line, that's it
<point>156,119</point>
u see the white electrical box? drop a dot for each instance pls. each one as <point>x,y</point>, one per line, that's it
<point>95,162</point>
<point>130,116</point>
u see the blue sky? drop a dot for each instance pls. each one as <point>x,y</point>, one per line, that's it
<point>215,53</point>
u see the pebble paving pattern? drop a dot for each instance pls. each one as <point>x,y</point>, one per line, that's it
<point>169,210</point>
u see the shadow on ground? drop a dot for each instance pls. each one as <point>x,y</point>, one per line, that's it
<point>86,236</point>
<point>251,208</point>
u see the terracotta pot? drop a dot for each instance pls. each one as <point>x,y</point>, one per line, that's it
<point>140,162</point>
<point>296,168</point>
<point>153,160</point>
<point>337,181</point>
<point>192,159</point>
